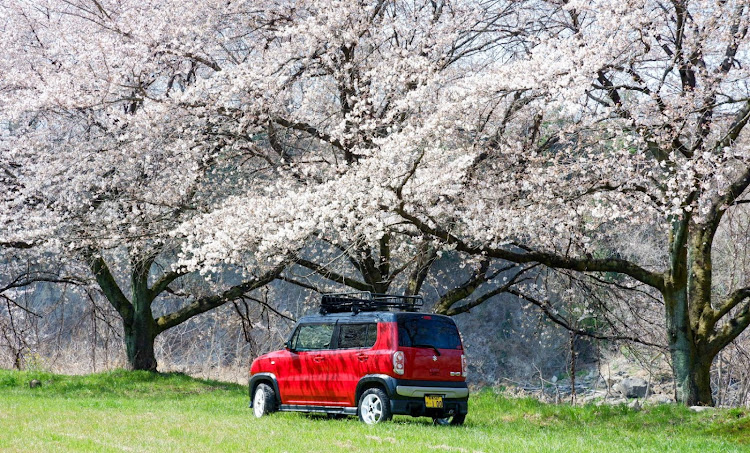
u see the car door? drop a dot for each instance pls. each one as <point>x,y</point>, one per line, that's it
<point>303,379</point>
<point>351,360</point>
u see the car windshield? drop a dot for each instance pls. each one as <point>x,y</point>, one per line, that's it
<point>428,331</point>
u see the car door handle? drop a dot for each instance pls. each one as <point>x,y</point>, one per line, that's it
<point>318,358</point>
<point>362,357</point>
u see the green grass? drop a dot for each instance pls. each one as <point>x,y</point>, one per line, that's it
<point>135,411</point>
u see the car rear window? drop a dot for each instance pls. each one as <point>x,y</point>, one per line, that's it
<point>428,331</point>
<point>357,335</point>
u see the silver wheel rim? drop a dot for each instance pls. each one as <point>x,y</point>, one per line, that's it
<point>259,402</point>
<point>371,409</point>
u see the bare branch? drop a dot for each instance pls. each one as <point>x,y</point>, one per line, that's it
<point>553,260</point>
<point>207,303</point>
<point>552,316</point>
<point>333,276</point>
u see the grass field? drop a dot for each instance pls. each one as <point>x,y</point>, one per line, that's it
<point>135,411</point>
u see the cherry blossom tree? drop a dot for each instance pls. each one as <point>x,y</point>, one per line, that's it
<point>572,128</point>
<point>620,114</point>
<point>332,81</point>
<point>153,121</point>
<point>105,152</point>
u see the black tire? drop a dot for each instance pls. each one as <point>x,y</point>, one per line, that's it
<point>455,420</point>
<point>264,400</point>
<point>374,407</point>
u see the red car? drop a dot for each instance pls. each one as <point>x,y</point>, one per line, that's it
<point>360,357</point>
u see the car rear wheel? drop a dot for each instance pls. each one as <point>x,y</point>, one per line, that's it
<point>455,420</point>
<point>374,407</point>
<point>264,400</point>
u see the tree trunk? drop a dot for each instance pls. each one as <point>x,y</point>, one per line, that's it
<point>139,340</point>
<point>691,364</point>
<point>692,374</point>
<point>141,331</point>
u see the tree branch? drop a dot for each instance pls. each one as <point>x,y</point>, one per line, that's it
<point>552,260</point>
<point>552,316</point>
<point>732,329</point>
<point>299,283</point>
<point>110,288</point>
<point>163,282</point>
<point>333,276</point>
<point>464,290</point>
<point>310,129</point>
<point>270,308</point>
<point>424,259</point>
<point>207,303</point>
<point>27,279</point>
<point>739,123</point>
<point>731,301</point>
<point>16,244</point>
<point>490,294</point>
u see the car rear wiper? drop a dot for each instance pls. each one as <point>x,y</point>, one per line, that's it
<point>426,346</point>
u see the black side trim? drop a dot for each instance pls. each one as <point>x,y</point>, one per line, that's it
<point>320,409</point>
<point>268,378</point>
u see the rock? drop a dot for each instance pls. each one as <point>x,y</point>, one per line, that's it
<point>660,398</point>
<point>635,405</point>
<point>34,383</point>
<point>701,408</point>
<point>593,397</point>
<point>631,387</point>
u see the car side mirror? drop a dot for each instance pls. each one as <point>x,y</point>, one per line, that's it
<point>288,346</point>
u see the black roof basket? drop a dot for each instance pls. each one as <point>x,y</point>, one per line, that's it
<point>367,301</point>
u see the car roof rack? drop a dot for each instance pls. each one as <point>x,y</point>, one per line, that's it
<point>367,301</point>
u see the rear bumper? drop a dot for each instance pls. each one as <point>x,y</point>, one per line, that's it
<point>420,391</point>
<point>416,408</point>
<point>407,398</point>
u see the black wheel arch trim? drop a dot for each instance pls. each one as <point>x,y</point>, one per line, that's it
<point>383,380</point>
<point>259,378</point>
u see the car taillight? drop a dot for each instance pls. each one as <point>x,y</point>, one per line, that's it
<point>464,368</point>
<point>398,362</point>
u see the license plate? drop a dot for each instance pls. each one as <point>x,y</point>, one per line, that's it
<point>433,401</point>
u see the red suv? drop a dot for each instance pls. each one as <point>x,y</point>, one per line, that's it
<point>360,357</point>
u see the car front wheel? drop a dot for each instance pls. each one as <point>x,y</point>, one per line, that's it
<point>374,407</point>
<point>264,400</point>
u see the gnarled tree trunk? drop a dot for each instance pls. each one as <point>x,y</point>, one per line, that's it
<point>691,363</point>
<point>139,342</point>
<point>140,326</point>
<point>140,329</point>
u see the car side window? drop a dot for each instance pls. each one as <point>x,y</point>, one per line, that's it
<point>357,335</point>
<point>313,336</point>
<point>372,335</point>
